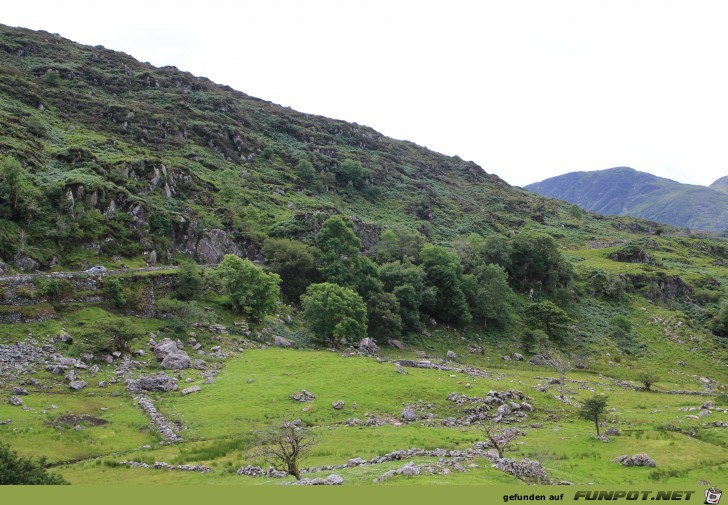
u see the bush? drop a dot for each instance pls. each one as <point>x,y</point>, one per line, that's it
<point>109,335</point>
<point>53,289</point>
<point>188,283</point>
<point>115,291</point>
<point>335,313</point>
<point>17,470</point>
<point>252,290</point>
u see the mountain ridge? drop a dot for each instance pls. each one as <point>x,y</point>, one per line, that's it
<point>626,191</point>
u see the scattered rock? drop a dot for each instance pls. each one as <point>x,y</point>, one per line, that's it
<point>636,460</point>
<point>704,413</point>
<point>176,361</point>
<point>20,391</point>
<point>612,431</point>
<point>538,359</point>
<point>338,405</point>
<point>71,376</point>
<point>64,338</point>
<point>396,344</point>
<point>192,389</point>
<point>77,385</point>
<point>303,396</point>
<point>159,382</point>
<point>368,346</point>
<point>517,356</point>
<point>451,355</point>
<point>409,414</point>
<point>707,405</point>
<point>331,480</point>
<point>14,400</point>
<point>165,347</point>
<point>279,341</point>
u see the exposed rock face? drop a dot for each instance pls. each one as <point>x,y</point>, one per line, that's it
<point>25,263</point>
<point>209,248</point>
<point>397,344</point>
<point>177,361</point>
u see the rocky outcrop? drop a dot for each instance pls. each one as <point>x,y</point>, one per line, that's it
<point>161,382</point>
<point>211,246</point>
<point>636,460</point>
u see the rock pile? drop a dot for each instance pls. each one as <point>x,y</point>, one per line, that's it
<point>636,460</point>
<point>256,471</point>
<point>527,470</point>
<point>331,480</point>
<point>499,405</point>
<point>171,355</point>
<point>159,382</point>
<point>160,465</point>
<point>159,422</point>
<point>303,396</point>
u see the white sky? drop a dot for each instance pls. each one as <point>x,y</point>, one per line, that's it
<point>528,89</point>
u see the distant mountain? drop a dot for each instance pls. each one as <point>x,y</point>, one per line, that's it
<point>721,184</point>
<point>626,192</point>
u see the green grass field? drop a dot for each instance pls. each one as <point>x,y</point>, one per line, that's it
<point>221,421</point>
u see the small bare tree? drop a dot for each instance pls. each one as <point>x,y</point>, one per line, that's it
<point>500,439</point>
<point>561,363</point>
<point>284,447</point>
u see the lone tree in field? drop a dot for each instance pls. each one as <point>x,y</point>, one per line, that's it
<point>593,409</point>
<point>561,363</point>
<point>284,447</point>
<point>648,379</point>
<point>499,439</point>
<point>18,470</point>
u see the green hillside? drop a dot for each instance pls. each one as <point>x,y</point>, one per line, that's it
<point>473,290</point>
<point>624,191</point>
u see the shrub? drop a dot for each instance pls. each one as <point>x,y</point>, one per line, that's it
<point>17,470</point>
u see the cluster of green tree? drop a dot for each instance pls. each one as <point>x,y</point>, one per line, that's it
<point>347,295</point>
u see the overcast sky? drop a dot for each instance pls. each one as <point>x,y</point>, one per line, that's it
<point>528,89</point>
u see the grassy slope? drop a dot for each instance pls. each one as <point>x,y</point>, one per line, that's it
<point>566,447</point>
